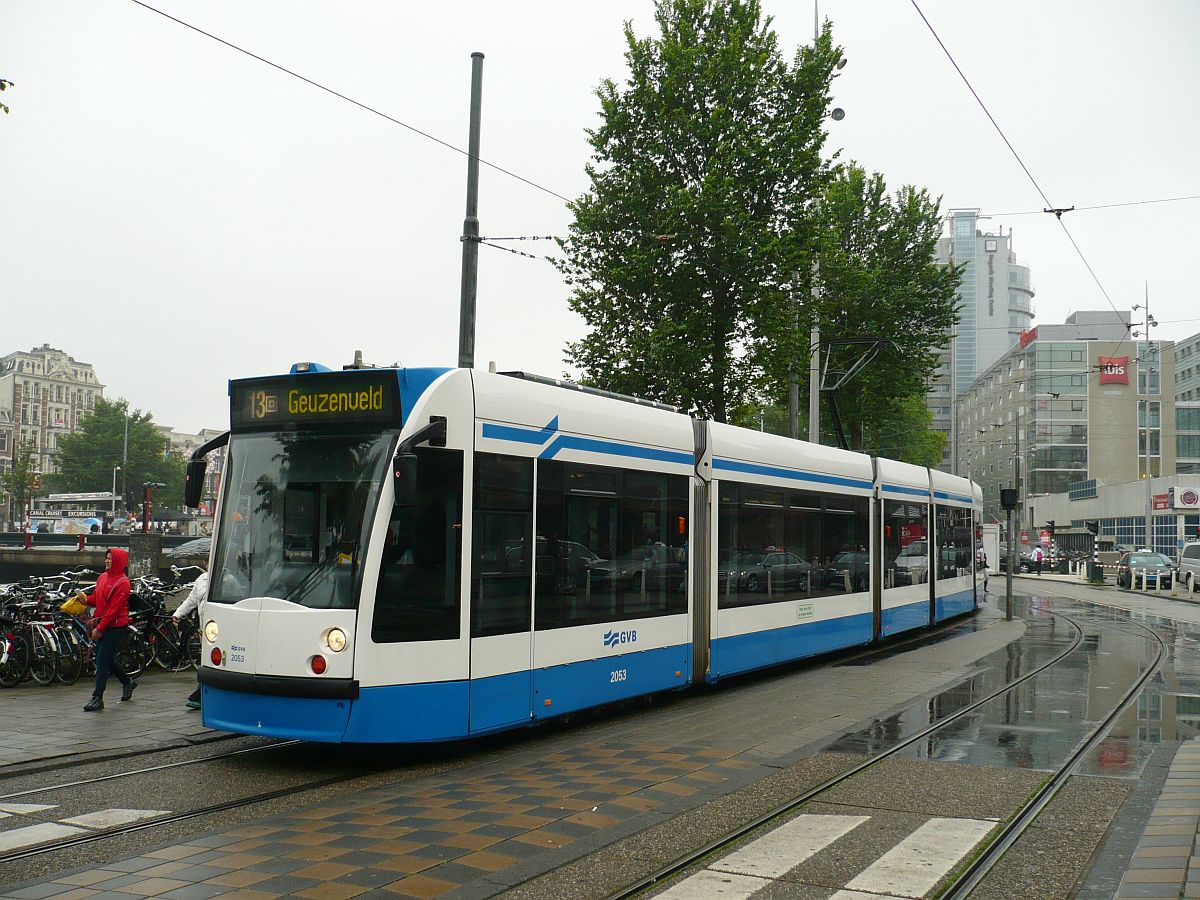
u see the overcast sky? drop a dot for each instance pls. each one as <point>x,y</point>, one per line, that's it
<point>178,214</point>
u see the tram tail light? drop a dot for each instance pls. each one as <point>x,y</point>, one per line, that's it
<point>318,665</point>
<point>216,656</point>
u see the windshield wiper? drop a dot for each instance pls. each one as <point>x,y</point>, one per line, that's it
<point>310,577</point>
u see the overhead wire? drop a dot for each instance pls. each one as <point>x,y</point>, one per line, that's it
<point>1042,212</point>
<point>1050,206</point>
<point>351,100</point>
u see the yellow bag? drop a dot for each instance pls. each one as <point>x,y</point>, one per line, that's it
<point>74,607</point>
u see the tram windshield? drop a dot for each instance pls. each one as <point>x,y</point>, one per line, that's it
<point>296,514</point>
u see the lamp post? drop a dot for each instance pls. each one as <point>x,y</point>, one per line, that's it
<point>1144,372</point>
<point>113,504</point>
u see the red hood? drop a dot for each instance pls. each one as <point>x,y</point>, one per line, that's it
<point>120,561</point>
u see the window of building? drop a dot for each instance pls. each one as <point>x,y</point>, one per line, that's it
<point>1076,406</point>
<point>1076,356</point>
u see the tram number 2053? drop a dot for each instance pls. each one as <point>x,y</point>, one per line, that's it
<point>618,675</point>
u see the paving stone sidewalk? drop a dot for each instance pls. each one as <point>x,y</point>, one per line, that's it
<point>1165,863</point>
<point>43,724</point>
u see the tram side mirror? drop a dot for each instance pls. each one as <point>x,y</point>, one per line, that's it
<point>404,478</point>
<point>193,483</point>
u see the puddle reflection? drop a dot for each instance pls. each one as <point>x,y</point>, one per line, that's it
<point>1038,724</point>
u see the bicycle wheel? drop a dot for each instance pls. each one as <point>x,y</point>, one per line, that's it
<point>133,655</point>
<point>193,649</point>
<point>15,656</point>
<point>70,657</point>
<point>168,645</point>
<point>43,662</point>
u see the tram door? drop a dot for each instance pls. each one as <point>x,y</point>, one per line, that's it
<point>503,554</point>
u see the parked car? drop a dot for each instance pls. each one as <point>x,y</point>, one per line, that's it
<point>1189,566</point>
<point>912,565</point>
<point>651,566</point>
<point>853,563</point>
<point>754,570</point>
<point>1155,568</point>
<point>1024,560</point>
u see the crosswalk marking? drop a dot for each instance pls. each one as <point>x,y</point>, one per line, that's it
<point>21,809</point>
<point>106,818</point>
<point>44,832</point>
<point>707,884</point>
<point>784,848</point>
<point>921,860</point>
<point>751,868</point>
<point>36,834</point>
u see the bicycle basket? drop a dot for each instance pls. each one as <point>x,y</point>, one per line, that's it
<point>74,607</point>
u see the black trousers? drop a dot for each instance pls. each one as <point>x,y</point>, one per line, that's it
<point>106,649</point>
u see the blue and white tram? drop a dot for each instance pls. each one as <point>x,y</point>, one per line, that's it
<point>426,554</point>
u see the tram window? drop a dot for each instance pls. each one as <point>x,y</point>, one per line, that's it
<point>417,597</point>
<point>954,533</point>
<point>905,543</point>
<point>501,563</point>
<point>800,545</point>
<point>611,544</point>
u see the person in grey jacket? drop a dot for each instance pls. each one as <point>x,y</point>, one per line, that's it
<point>194,600</point>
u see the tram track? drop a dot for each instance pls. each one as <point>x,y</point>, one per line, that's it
<point>972,874</point>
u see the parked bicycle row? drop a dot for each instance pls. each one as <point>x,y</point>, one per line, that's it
<point>45,634</point>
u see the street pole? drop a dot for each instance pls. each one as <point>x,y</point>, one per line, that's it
<point>1012,563</point>
<point>793,370</point>
<point>1146,366</point>
<point>470,235</point>
<point>125,457</point>
<point>814,365</point>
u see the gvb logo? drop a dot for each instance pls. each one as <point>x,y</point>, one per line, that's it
<point>613,638</point>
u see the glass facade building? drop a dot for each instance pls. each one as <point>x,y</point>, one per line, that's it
<point>995,306</point>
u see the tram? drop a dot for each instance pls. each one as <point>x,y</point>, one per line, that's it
<point>406,555</point>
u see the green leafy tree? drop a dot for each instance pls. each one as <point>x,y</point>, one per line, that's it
<point>878,278</point>
<point>683,253</point>
<point>20,483</point>
<point>86,459</point>
<point>906,434</point>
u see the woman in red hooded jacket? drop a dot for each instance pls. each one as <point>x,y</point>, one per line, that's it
<point>111,599</point>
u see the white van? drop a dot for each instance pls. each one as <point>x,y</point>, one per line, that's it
<point>1189,566</point>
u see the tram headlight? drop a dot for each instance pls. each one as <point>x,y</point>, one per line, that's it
<point>335,640</point>
<point>210,631</point>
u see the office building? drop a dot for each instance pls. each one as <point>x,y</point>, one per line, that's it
<point>1080,400</point>
<point>995,302</point>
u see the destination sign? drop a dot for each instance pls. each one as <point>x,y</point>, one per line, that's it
<point>325,398</point>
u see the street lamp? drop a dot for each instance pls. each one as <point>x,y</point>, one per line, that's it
<point>113,503</point>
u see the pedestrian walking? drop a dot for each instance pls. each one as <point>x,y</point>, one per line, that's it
<point>111,599</point>
<point>1038,556</point>
<point>194,599</point>
<point>981,563</point>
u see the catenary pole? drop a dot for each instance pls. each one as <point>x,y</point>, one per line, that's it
<point>470,235</point>
<point>814,365</point>
<point>1146,366</point>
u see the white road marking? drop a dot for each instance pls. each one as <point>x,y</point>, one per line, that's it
<point>781,850</point>
<point>106,818</point>
<point>23,808</point>
<point>707,884</point>
<point>859,895</point>
<point>916,864</point>
<point>36,834</point>
<point>751,868</point>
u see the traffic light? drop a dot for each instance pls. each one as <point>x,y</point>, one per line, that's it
<point>1093,526</point>
<point>1050,526</point>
